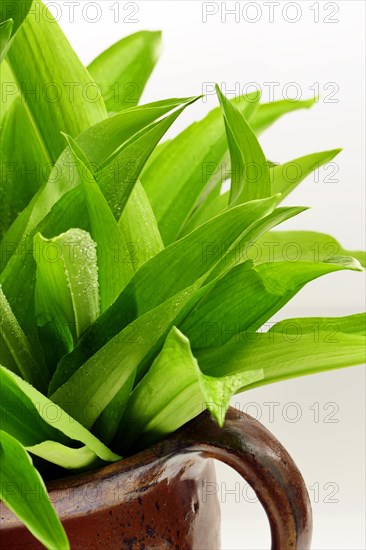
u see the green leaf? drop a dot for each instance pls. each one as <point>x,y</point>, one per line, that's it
<point>6,29</point>
<point>45,429</point>
<point>57,89</point>
<point>123,69</point>
<point>185,166</point>
<point>99,143</point>
<point>120,171</point>
<point>38,43</point>
<point>294,246</point>
<point>16,11</point>
<point>292,348</point>
<point>18,473</point>
<point>66,295</point>
<point>248,296</point>
<point>250,173</point>
<point>181,392</point>
<point>16,352</point>
<point>213,205</point>
<point>239,250</point>
<point>286,177</point>
<point>193,257</point>
<point>107,422</point>
<point>116,349</point>
<point>263,116</point>
<point>9,91</point>
<point>101,377</point>
<point>268,113</point>
<point>63,194</point>
<point>115,269</point>
<point>65,457</point>
<point>23,166</point>
<point>12,15</point>
<point>22,415</point>
<point>139,228</point>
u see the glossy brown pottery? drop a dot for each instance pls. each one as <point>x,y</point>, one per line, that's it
<point>165,497</point>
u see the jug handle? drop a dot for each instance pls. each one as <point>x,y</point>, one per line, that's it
<point>248,447</point>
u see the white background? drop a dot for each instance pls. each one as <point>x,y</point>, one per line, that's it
<point>324,55</point>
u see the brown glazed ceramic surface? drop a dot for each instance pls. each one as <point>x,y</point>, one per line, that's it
<point>163,498</point>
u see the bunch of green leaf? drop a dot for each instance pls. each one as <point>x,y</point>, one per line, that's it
<point>131,297</point>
